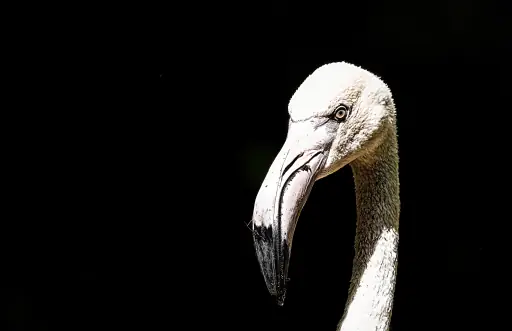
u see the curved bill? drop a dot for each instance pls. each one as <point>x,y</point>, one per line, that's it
<point>278,204</point>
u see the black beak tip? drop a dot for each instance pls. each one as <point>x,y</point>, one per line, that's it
<point>280,299</point>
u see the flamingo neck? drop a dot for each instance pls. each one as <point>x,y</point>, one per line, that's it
<point>370,298</point>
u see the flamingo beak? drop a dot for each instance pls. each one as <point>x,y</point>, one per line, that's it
<point>279,202</point>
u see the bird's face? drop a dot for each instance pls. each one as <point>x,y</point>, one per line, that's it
<point>338,114</point>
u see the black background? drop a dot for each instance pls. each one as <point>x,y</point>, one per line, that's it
<point>130,208</point>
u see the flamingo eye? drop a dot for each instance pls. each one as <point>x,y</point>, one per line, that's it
<point>341,113</point>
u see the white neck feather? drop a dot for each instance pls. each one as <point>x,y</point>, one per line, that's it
<point>370,299</point>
